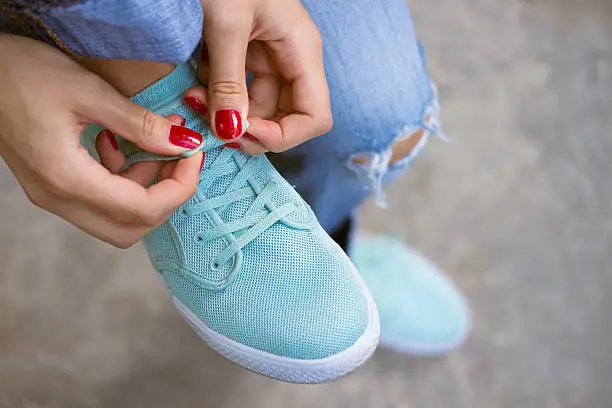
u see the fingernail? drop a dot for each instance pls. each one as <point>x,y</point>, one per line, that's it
<point>251,137</point>
<point>232,145</point>
<point>112,139</point>
<point>203,159</point>
<point>203,52</point>
<point>184,137</point>
<point>228,123</point>
<point>183,121</point>
<point>195,104</point>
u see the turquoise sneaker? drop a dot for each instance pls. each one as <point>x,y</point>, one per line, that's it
<point>421,311</point>
<point>250,268</point>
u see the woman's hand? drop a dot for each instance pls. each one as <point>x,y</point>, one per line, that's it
<point>287,101</point>
<point>46,100</point>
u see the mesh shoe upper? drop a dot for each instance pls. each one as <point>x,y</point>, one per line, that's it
<point>289,290</point>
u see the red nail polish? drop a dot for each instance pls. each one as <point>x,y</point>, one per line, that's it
<point>111,138</point>
<point>203,52</point>
<point>184,137</point>
<point>228,123</point>
<point>183,121</point>
<point>203,159</point>
<point>251,137</point>
<point>232,145</point>
<point>196,104</point>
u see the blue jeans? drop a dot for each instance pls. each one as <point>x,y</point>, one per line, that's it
<point>380,89</point>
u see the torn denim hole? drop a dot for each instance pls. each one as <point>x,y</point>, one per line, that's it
<point>377,165</point>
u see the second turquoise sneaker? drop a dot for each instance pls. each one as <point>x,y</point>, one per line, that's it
<point>421,311</point>
<point>249,266</point>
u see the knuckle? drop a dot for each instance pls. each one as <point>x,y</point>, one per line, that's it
<point>124,242</point>
<point>149,217</point>
<point>311,34</point>
<point>277,147</point>
<point>315,37</point>
<point>93,80</point>
<point>326,122</point>
<point>224,20</point>
<point>36,197</point>
<point>190,191</point>
<point>58,185</point>
<point>150,124</point>
<point>54,178</point>
<point>225,89</point>
<point>92,84</point>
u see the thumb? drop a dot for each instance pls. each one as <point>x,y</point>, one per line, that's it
<point>227,43</point>
<point>142,127</point>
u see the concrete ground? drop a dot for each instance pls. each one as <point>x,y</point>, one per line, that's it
<point>518,209</point>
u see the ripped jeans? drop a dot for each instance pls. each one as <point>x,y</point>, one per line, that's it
<point>380,93</point>
<point>380,89</point>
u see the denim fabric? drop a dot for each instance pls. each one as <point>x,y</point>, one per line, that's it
<point>380,93</point>
<point>380,88</point>
<point>160,30</point>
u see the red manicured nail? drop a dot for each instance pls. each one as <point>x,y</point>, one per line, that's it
<point>111,138</point>
<point>251,137</point>
<point>228,123</point>
<point>203,52</point>
<point>196,104</point>
<point>183,121</point>
<point>232,145</point>
<point>203,159</point>
<point>184,137</point>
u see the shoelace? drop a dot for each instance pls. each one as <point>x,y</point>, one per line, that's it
<point>261,215</point>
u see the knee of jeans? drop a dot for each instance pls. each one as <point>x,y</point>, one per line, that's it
<point>375,168</point>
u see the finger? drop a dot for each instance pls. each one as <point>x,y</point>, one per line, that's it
<point>181,184</point>
<point>108,150</point>
<point>176,119</point>
<point>227,37</point>
<point>126,201</point>
<point>306,98</point>
<point>203,64</point>
<point>263,95</point>
<point>286,133</point>
<point>99,225</point>
<point>203,69</point>
<point>167,169</point>
<point>143,173</point>
<point>87,218</point>
<point>266,83</point>
<point>251,145</point>
<point>197,99</point>
<point>144,128</point>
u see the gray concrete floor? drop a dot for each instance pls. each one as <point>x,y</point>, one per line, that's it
<point>518,209</point>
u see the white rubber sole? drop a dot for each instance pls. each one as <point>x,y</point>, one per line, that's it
<point>290,369</point>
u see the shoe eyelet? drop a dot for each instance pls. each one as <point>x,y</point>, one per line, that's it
<point>199,238</point>
<point>214,265</point>
<point>185,212</point>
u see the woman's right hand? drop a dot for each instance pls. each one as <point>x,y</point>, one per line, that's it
<point>46,100</point>
<point>287,101</point>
